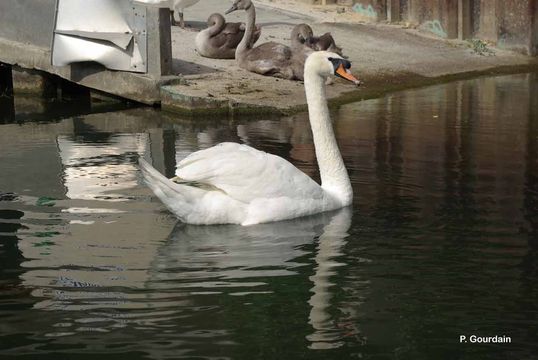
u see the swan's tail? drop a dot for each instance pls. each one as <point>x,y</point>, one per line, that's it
<point>178,198</point>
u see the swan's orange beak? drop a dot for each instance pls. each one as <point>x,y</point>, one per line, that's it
<point>344,73</point>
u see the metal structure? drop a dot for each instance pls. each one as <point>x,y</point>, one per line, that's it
<point>68,38</point>
<point>112,33</point>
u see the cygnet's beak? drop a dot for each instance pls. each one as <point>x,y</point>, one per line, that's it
<point>310,40</point>
<point>344,73</point>
<point>232,9</point>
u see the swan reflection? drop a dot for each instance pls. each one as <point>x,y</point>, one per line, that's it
<point>216,259</point>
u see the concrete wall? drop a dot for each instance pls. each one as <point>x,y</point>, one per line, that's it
<point>26,36</point>
<point>437,16</point>
<point>511,24</point>
<point>375,10</point>
<point>28,21</point>
<point>534,37</point>
<point>515,24</point>
<point>321,2</point>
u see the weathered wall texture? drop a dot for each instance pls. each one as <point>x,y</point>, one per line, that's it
<point>28,21</point>
<point>436,16</point>
<point>375,10</point>
<point>26,36</point>
<point>511,24</point>
<point>534,39</point>
<point>515,24</point>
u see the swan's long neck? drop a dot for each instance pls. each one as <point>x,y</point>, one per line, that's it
<point>246,42</point>
<point>334,176</point>
<point>216,24</point>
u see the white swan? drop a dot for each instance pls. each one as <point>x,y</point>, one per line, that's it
<point>233,183</point>
<point>178,6</point>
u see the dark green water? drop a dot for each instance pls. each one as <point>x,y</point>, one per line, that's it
<point>442,239</point>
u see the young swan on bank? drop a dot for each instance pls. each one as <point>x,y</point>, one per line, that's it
<point>270,58</point>
<point>300,36</point>
<point>303,36</point>
<point>220,39</point>
<point>236,184</point>
<point>304,43</point>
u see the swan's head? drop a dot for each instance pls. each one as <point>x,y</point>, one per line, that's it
<point>239,5</point>
<point>326,63</point>
<point>215,18</point>
<point>301,34</point>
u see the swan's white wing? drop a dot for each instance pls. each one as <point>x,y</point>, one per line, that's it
<point>246,174</point>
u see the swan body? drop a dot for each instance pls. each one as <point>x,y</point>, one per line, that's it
<point>220,39</point>
<point>178,6</point>
<point>271,58</point>
<point>234,183</point>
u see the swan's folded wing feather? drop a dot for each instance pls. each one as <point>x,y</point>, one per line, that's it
<point>246,174</point>
<point>232,29</point>
<point>271,50</point>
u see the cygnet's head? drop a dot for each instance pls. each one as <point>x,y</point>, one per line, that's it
<point>302,34</point>
<point>326,63</point>
<point>239,5</point>
<point>215,18</point>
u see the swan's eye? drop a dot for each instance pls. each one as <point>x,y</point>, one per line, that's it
<point>331,59</point>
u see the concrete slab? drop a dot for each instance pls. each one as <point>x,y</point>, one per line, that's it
<point>31,82</point>
<point>386,57</point>
<point>26,36</point>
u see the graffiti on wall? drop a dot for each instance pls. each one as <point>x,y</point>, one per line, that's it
<point>435,26</point>
<point>365,10</point>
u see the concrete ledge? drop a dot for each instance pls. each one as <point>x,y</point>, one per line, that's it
<point>173,99</point>
<point>32,82</point>
<point>136,87</point>
<point>190,99</point>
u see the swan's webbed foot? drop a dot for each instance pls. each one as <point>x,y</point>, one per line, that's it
<point>173,21</point>
<point>181,21</point>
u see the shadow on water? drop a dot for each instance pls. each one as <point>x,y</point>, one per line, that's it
<point>10,256</point>
<point>13,296</point>
<point>440,242</point>
<point>7,110</point>
<point>65,101</point>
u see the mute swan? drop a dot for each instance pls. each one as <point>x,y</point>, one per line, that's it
<point>302,35</point>
<point>271,58</point>
<point>233,183</point>
<point>220,39</point>
<point>179,6</point>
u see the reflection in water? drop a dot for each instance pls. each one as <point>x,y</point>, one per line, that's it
<point>331,242</point>
<point>10,256</point>
<point>7,110</point>
<point>97,170</point>
<point>442,241</point>
<point>224,259</point>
